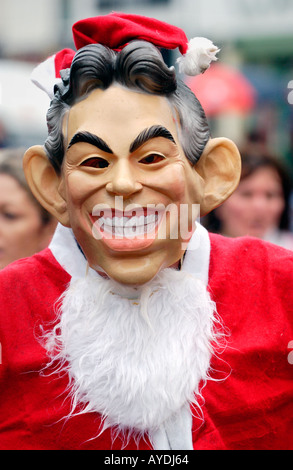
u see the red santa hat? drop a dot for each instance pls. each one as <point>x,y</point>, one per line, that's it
<point>115,31</point>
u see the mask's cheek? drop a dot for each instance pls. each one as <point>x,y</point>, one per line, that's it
<point>178,181</point>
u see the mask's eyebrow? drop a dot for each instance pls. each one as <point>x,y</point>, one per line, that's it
<point>89,138</point>
<point>151,133</point>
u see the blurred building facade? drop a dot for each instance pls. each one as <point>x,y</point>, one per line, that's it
<point>263,26</point>
<point>254,37</point>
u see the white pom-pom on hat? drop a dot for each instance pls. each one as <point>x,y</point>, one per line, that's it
<point>200,53</point>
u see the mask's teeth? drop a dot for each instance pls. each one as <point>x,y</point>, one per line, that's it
<point>129,226</point>
<point>151,218</point>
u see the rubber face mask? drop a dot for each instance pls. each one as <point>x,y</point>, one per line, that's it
<point>132,196</point>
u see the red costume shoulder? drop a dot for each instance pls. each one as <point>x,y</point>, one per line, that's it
<point>29,289</point>
<point>251,283</point>
<point>251,256</point>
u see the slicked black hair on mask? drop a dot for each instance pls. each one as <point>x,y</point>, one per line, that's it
<point>139,67</point>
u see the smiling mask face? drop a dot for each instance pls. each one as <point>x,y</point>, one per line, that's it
<point>126,188</point>
<point>125,180</point>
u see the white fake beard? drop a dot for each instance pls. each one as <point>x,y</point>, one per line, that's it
<point>135,356</point>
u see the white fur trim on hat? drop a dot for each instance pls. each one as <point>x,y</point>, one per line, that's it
<point>200,53</point>
<point>44,76</point>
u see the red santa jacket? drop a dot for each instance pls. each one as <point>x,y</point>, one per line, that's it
<point>250,408</point>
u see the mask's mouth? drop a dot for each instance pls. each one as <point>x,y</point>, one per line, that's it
<point>127,230</point>
<point>129,226</point>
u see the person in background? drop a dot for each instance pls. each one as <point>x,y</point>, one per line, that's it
<point>260,207</point>
<point>25,226</point>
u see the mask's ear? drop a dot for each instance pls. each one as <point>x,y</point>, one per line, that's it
<point>45,183</point>
<point>220,168</point>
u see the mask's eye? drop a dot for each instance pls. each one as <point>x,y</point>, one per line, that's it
<point>151,159</point>
<point>95,162</point>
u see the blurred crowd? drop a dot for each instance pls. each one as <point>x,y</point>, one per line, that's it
<point>25,226</point>
<point>261,205</point>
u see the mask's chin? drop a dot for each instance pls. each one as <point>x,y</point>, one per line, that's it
<point>132,273</point>
<point>137,270</point>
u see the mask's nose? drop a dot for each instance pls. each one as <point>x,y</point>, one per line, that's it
<point>123,180</point>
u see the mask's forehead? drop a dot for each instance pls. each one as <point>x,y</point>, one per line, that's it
<point>119,115</point>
